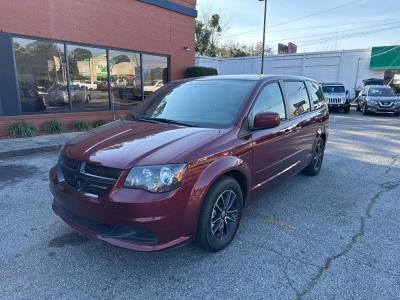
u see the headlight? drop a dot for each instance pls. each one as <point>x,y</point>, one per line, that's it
<point>156,179</point>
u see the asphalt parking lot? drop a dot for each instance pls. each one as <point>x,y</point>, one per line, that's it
<point>334,236</point>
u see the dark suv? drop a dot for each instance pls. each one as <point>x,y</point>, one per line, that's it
<point>184,162</point>
<point>378,99</point>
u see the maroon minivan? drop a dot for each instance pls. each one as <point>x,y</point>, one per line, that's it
<point>184,162</point>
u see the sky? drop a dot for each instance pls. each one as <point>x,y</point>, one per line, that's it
<point>314,25</point>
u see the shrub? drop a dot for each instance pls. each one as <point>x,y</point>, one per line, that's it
<point>53,126</point>
<point>199,72</point>
<point>98,123</point>
<point>21,129</point>
<point>80,125</point>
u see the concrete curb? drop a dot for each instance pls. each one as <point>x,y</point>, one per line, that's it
<point>29,151</point>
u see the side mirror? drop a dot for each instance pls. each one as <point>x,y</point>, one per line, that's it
<point>265,120</point>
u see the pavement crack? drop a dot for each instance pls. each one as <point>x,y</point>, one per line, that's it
<point>289,280</point>
<point>385,187</point>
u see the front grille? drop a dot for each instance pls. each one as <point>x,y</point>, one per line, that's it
<point>88,178</point>
<point>385,103</point>
<point>334,100</point>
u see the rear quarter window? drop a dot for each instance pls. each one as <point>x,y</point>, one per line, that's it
<point>316,94</point>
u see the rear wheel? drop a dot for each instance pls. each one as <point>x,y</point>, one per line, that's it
<point>220,215</point>
<point>317,158</point>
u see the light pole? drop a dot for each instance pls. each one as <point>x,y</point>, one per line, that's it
<point>263,44</point>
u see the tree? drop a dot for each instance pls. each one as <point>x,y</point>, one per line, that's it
<point>203,35</point>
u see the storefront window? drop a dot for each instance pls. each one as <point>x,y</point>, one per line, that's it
<point>41,75</point>
<point>88,78</point>
<point>155,69</point>
<point>125,78</point>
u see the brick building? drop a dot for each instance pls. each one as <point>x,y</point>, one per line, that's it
<point>89,59</point>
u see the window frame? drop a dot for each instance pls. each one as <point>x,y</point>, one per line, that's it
<point>65,44</point>
<point>250,120</point>
<point>287,102</point>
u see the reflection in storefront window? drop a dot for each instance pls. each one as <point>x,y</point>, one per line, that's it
<point>88,78</point>
<point>155,70</point>
<point>125,78</point>
<point>40,69</point>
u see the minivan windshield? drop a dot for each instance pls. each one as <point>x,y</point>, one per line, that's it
<point>381,92</point>
<point>200,103</point>
<point>333,89</point>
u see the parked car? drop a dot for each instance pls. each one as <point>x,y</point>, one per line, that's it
<point>185,161</point>
<point>336,96</point>
<point>31,98</point>
<point>378,99</point>
<point>58,94</point>
<point>369,81</point>
<point>154,86</point>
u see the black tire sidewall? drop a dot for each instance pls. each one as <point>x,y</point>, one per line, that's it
<point>205,238</point>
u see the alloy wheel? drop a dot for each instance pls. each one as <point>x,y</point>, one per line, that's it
<point>318,155</point>
<point>225,214</point>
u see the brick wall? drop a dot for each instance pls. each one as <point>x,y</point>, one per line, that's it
<point>128,24</point>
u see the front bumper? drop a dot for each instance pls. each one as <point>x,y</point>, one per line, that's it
<point>127,218</point>
<point>339,105</point>
<point>383,110</point>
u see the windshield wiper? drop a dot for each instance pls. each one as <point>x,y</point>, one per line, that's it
<point>167,121</point>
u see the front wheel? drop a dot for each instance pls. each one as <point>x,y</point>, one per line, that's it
<point>364,110</point>
<point>347,110</point>
<point>220,215</point>
<point>317,158</point>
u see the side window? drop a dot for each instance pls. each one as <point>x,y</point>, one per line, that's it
<point>317,95</point>
<point>296,97</point>
<point>269,100</point>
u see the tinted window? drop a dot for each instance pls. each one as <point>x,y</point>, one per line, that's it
<point>383,92</point>
<point>269,100</point>
<point>296,97</point>
<point>88,70</point>
<point>205,103</point>
<point>155,73</point>
<point>125,78</point>
<point>333,89</point>
<point>41,70</point>
<point>317,96</point>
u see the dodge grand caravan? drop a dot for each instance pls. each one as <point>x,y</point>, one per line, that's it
<point>184,163</point>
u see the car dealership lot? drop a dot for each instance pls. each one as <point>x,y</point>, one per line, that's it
<point>334,235</point>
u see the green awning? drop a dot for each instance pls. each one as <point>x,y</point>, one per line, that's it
<point>385,57</point>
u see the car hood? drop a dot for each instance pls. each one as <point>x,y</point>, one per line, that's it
<point>123,144</point>
<point>391,98</point>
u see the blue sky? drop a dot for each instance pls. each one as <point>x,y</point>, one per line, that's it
<point>358,25</point>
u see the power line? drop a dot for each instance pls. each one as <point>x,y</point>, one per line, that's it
<point>330,32</point>
<point>332,25</point>
<point>347,36</point>
<point>302,17</point>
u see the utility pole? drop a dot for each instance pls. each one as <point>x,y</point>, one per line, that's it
<point>263,44</point>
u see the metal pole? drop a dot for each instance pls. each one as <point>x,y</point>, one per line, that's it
<point>263,45</point>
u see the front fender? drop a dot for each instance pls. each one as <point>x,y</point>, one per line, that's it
<point>206,179</point>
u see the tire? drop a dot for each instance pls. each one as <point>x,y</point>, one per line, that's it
<point>346,110</point>
<point>88,99</point>
<point>396,114</point>
<point>364,110</point>
<point>219,217</point>
<point>317,158</point>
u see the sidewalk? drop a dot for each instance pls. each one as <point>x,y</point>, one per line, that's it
<point>32,145</point>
